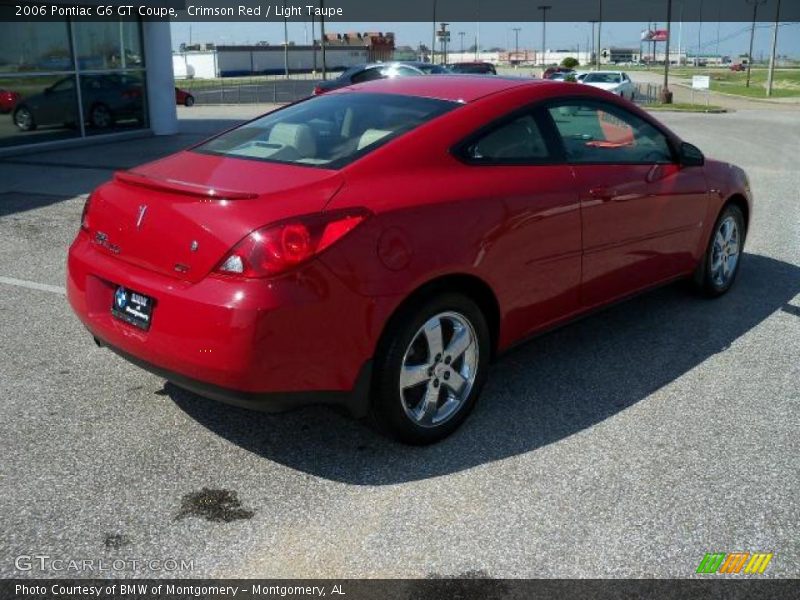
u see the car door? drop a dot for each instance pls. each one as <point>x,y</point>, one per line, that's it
<point>57,104</point>
<point>533,254</point>
<point>642,213</point>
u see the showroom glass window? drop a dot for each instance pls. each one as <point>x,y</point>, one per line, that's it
<point>67,79</point>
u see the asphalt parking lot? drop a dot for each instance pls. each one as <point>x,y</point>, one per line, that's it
<point>628,444</point>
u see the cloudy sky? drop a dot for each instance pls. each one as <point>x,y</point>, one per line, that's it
<point>733,37</point>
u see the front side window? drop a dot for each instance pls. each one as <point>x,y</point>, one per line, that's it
<point>600,133</point>
<point>327,131</point>
<point>602,78</point>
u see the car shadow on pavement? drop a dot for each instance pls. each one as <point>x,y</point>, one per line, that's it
<point>544,391</point>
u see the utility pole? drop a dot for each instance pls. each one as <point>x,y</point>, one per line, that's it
<point>285,43</point>
<point>771,73</point>
<point>313,43</point>
<point>322,38</point>
<point>433,37</point>
<point>599,33</point>
<point>444,34</point>
<point>592,47</point>
<point>755,4</point>
<point>699,32</point>
<point>516,43</point>
<point>666,95</point>
<point>544,8</point>
<point>461,34</point>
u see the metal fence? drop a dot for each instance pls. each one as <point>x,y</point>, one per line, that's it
<point>648,93</point>
<point>274,89</point>
<point>248,90</point>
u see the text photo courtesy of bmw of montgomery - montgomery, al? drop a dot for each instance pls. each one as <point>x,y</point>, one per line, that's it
<point>441,294</point>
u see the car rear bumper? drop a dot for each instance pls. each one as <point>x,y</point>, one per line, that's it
<point>305,338</point>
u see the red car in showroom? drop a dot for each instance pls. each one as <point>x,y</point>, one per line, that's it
<point>379,245</point>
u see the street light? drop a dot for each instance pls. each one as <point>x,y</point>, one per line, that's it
<point>516,42</point>
<point>285,43</point>
<point>666,95</point>
<point>461,34</point>
<point>544,8</point>
<point>755,4</point>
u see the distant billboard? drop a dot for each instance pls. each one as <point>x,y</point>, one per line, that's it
<point>655,35</point>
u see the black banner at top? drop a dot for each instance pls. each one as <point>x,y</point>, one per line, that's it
<point>390,11</point>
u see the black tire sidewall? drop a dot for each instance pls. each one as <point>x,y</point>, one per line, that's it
<point>189,101</point>
<point>387,409</point>
<point>32,125</point>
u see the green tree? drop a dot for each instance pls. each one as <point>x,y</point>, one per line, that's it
<point>570,62</point>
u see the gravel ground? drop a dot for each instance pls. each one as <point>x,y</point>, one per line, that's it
<point>626,445</point>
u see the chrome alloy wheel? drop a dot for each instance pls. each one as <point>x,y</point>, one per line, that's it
<point>725,252</point>
<point>439,369</point>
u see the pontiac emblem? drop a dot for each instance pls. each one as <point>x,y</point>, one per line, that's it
<point>140,218</point>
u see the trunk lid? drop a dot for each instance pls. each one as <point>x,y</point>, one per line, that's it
<point>181,215</point>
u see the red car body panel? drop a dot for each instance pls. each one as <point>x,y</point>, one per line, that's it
<point>8,100</point>
<point>548,241</point>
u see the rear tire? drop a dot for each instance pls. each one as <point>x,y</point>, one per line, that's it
<point>189,101</point>
<point>430,368</point>
<point>717,272</point>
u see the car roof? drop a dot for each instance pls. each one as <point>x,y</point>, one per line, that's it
<point>456,88</point>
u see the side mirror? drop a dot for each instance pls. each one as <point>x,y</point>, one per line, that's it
<point>691,156</point>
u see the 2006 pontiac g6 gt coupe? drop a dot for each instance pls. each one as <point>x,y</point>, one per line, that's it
<point>377,246</point>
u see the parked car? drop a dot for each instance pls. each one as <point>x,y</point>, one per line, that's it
<point>616,82</point>
<point>372,71</point>
<point>738,67</point>
<point>561,76</point>
<point>106,99</point>
<point>183,97</point>
<point>475,68</point>
<point>378,247</point>
<point>8,100</point>
<point>550,70</point>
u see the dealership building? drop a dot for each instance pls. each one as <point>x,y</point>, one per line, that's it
<point>68,82</point>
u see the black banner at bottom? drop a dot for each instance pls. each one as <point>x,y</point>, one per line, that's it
<point>397,589</point>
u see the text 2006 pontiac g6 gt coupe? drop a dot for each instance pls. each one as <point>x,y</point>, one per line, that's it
<point>376,246</point>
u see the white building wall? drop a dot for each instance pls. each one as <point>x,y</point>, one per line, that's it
<point>194,65</point>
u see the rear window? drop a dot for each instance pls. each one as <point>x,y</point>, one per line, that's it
<point>327,131</point>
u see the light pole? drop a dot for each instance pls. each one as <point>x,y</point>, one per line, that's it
<point>771,73</point>
<point>285,43</point>
<point>444,35</point>
<point>433,38</point>
<point>461,34</point>
<point>666,95</point>
<point>516,42</point>
<point>544,8</point>
<point>322,38</point>
<point>599,33</point>
<point>755,4</point>
<point>592,48</point>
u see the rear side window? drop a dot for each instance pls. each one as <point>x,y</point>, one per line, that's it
<point>327,131</point>
<point>519,141</point>
<point>600,133</point>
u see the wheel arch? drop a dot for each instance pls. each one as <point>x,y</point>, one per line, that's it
<point>471,286</point>
<point>740,202</point>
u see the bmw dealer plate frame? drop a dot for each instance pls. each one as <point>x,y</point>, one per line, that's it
<point>132,307</point>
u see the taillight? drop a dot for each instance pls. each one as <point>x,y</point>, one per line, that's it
<point>318,90</point>
<point>85,213</point>
<point>276,248</point>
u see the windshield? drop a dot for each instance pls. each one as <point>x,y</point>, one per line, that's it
<point>327,131</point>
<point>602,78</point>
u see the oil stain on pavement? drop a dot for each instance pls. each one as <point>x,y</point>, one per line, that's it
<point>214,505</point>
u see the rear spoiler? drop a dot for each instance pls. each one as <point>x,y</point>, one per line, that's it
<point>181,187</point>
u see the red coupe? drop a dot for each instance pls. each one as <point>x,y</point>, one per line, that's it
<point>379,245</point>
<point>8,100</point>
<point>183,98</point>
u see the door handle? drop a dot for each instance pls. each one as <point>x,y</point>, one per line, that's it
<point>602,193</point>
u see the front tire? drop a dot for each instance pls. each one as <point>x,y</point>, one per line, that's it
<point>717,271</point>
<point>430,369</point>
<point>188,101</point>
<point>23,119</point>
<point>100,117</point>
